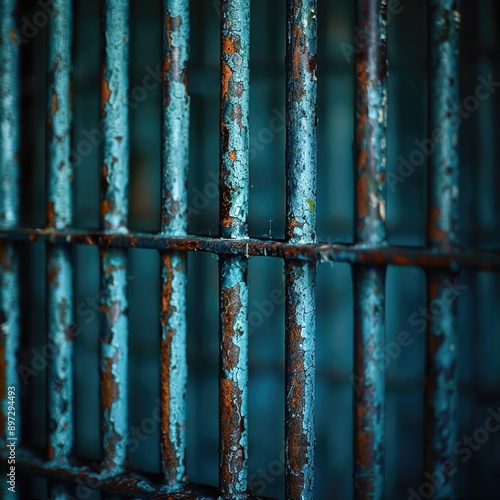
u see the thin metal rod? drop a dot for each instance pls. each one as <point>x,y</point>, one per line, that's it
<point>300,278</point>
<point>441,389</point>
<point>9,218</point>
<point>114,209</point>
<point>369,282</point>
<point>175,140</point>
<point>59,216</point>
<point>427,258</point>
<point>233,290</point>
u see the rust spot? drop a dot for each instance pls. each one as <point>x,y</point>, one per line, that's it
<point>13,37</point>
<point>50,452</point>
<point>109,388</point>
<point>55,104</point>
<point>50,214</point>
<point>232,155</point>
<point>112,312</point>
<point>435,232</point>
<point>105,91</point>
<point>231,305</point>
<point>225,78</point>
<point>53,274</point>
<point>228,45</point>
<point>312,64</point>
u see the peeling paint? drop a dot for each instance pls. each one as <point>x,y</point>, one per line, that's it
<point>301,141</point>
<point>234,118</point>
<point>175,124</point>
<point>9,117</point>
<point>115,177</point>
<point>173,368</point>
<point>233,420</point>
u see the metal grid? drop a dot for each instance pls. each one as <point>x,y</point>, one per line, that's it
<point>369,255</point>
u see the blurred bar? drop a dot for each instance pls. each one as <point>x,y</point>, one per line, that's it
<point>300,278</point>
<point>9,218</point>
<point>233,290</point>
<point>59,216</point>
<point>441,389</point>
<point>114,209</point>
<point>369,281</point>
<point>175,141</point>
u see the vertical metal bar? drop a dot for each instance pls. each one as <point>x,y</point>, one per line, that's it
<point>234,174</point>
<point>369,281</point>
<point>9,214</point>
<point>114,210</point>
<point>59,216</point>
<point>300,278</point>
<point>175,140</point>
<point>441,390</point>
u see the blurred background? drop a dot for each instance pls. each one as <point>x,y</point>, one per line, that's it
<point>479,326</point>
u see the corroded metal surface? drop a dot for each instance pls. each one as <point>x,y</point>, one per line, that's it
<point>9,210</point>
<point>369,282</point>
<point>369,381</point>
<point>59,216</point>
<point>175,141</point>
<point>114,208</point>
<point>234,134</point>
<point>173,367</point>
<point>300,316</point>
<point>300,305</point>
<point>233,292</point>
<point>233,379</point>
<point>453,259</point>
<point>441,408</point>
<point>133,485</point>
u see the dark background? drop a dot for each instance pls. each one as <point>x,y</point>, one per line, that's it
<point>479,326</point>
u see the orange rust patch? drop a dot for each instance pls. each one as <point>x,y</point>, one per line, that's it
<point>109,388</point>
<point>363,198</point>
<point>50,452</point>
<point>227,45</point>
<point>232,155</point>
<point>52,274</point>
<point>55,104</point>
<point>227,74</point>
<point>50,213</point>
<point>13,37</point>
<point>105,92</point>
<point>435,232</point>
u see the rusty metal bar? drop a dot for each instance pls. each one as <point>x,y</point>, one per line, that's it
<point>59,216</point>
<point>9,218</point>
<point>175,140</point>
<point>233,289</point>
<point>114,210</point>
<point>453,259</point>
<point>369,281</point>
<point>300,278</point>
<point>441,390</point>
<point>134,485</point>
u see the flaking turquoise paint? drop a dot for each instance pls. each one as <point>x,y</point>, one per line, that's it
<point>9,206</point>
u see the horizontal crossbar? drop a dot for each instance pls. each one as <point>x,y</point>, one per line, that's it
<point>429,258</point>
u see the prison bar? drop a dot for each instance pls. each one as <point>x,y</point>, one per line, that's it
<point>113,262</point>
<point>441,388</point>
<point>300,277</point>
<point>59,216</point>
<point>175,144</point>
<point>9,218</point>
<point>233,288</point>
<point>369,281</point>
